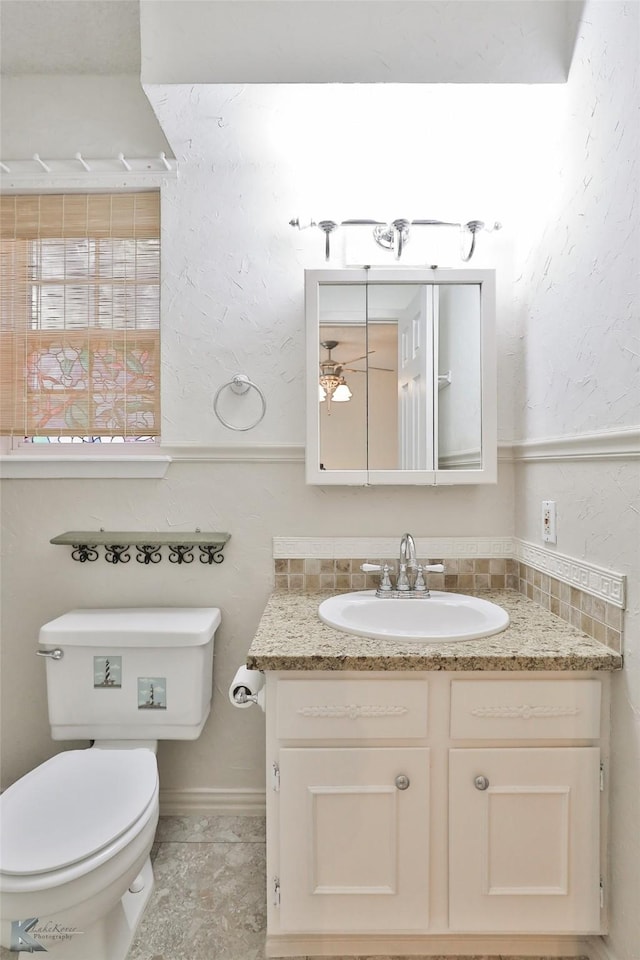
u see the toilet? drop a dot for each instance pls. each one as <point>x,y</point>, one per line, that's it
<point>76,832</point>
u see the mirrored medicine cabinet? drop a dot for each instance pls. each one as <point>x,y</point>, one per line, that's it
<point>401,376</point>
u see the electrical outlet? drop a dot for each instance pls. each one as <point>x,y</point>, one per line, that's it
<point>549,534</point>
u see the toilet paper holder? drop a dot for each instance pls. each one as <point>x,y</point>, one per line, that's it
<point>247,688</point>
<point>244,695</point>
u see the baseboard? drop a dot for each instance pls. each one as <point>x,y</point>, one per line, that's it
<point>451,945</point>
<point>211,802</point>
<point>598,949</point>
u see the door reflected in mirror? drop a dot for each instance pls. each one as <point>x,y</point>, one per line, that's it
<point>403,377</point>
<point>459,424</point>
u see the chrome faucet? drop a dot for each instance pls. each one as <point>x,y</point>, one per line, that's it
<point>407,559</point>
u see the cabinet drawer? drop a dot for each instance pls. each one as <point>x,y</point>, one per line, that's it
<point>525,709</point>
<point>351,709</point>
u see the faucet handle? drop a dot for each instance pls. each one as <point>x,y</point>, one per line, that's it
<point>420,586</point>
<point>383,568</point>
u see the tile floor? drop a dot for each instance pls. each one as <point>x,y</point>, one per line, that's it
<point>209,897</point>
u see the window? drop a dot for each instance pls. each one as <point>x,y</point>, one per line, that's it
<point>80,317</point>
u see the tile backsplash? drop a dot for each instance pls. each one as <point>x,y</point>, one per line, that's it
<point>592,615</point>
<point>345,574</point>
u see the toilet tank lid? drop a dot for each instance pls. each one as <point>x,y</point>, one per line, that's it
<point>133,627</point>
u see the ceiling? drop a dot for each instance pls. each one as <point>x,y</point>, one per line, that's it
<point>70,36</point>
<point>358,41</point>
<point>293,41</point>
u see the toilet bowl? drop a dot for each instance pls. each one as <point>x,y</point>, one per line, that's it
<point>76,835</point>
<point>75,872</point>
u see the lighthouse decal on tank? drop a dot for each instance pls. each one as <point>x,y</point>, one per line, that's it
<point>107,672</point>
<point>152,693</point>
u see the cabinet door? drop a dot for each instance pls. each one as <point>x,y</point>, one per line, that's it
<point>524,850</point>
<point>354,847</point>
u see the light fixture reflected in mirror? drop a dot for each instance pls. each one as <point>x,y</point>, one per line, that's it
<point>342,392</point>
<point>332,385</point>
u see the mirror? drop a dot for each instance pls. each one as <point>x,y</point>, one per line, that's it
<point>401,376</point>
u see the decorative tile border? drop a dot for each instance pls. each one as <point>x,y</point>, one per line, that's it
<point>596,581</point>
<point>594,616</point>
<point>347,547</point>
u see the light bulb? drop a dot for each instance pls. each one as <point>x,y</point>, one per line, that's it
<point>342,393</point>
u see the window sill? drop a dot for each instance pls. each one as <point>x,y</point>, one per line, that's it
<point>33,467</point>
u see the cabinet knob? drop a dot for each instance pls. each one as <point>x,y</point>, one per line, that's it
<point>402,782</point>
<point>481,783</point>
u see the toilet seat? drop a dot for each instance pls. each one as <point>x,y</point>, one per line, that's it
<point>72,807</point>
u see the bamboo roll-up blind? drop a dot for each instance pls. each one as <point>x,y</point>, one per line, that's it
<point>80,315</point>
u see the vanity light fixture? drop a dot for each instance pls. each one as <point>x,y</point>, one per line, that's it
<point>395,235</point>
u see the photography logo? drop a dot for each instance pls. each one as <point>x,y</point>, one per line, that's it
<point>21,938</point>
<point>27,936</point>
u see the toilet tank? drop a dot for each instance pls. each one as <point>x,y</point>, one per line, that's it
<point>133,673</point>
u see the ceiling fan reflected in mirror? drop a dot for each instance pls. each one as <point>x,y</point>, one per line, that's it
<point>332,384</point>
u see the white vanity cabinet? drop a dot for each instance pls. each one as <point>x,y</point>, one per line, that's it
<point>417,812</point>
<point>353,778</point>
<point>524,851</point>
<point>354,848</point>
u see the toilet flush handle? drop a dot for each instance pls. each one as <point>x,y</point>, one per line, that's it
<point>56,654</point>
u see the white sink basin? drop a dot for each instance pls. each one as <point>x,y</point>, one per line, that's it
<point>441,617</point>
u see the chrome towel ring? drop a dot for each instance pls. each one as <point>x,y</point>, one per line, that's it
<point>240,384</point>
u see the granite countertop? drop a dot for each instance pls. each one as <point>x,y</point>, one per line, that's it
<point>291,636</point>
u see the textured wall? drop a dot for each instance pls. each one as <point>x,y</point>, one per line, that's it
<point>254,157</point>
<point>577,311</point>
<point>577,292</point>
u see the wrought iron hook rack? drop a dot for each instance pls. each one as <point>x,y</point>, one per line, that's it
<point>117,546</point>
